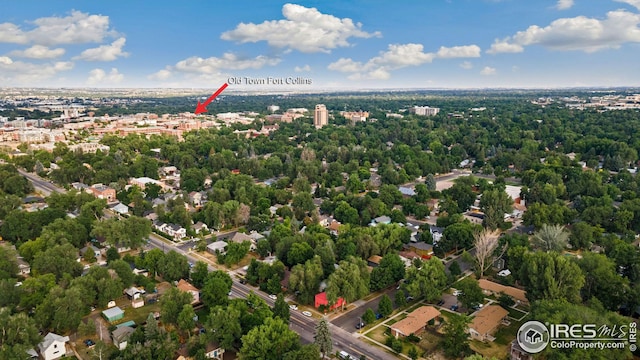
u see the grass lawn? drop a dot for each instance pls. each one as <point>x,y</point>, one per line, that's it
<point>377,334</point>
<point>516,314</point>
<point>506,334</point>
<point>395,319</point>
<point>140,314</point>
<point>430,341</point>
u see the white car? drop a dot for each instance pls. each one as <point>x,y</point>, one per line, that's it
<point>306,313</point>
<point>457,292</point>
<point>272,297</point>
<point>293,307</point>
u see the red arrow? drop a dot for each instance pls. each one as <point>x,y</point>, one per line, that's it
<point>200,108</point>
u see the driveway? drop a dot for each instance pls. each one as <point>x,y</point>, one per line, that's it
<point>349,320</point>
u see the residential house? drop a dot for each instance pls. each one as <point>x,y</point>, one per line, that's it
<point>217,247</point>
<point>23,267</point>
<point>81,187</point>
<point>486,322</point>
<point>175,231</point>
<point>96,251</point>
<point>196,198</point>
<point>381,220</point>
<point>214,351</point>
<point>103,192</point>
<point>415,322</point>
<point>134,292</point>
<point>186,286</point>
<point>239,238</point>
<point>374,260</point>
<point>436,233</point>
<point>256,236</point>
<point>321,300</point>
<point>334,227</point>
<point>53,346</point>
<point>518,353</point>
<point>200,227</point>
<point>121,335</point>
<point>120,208</point>
<point>407,191</point>
<point>424,250</point>
<point>113,314</point>
<point>492,288</point>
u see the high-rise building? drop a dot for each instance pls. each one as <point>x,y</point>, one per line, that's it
<point>320,116</point>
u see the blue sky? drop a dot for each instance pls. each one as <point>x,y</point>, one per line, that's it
<point>335,44</point>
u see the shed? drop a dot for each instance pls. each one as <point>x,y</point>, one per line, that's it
<point>113,314</point>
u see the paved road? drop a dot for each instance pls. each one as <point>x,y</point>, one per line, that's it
<point>349,320</point>
<point>302,325</point>
<point>44,186</point>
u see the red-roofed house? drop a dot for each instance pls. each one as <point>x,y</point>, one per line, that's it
<point>321,299</point>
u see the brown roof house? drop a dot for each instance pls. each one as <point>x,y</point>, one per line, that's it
<point>492,288</point>
<point>486,322</point>
<point>415,322</point>
<point>185,286</point>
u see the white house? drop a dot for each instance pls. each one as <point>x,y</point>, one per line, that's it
<point>121,209</point>
<point>53,346</point>
<point>121,335</point>
<point>217,247</point>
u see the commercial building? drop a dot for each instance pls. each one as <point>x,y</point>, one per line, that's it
<point>320,116</point>
<point>424,110</point>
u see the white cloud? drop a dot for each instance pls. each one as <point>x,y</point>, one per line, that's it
<point>161,75</point>
<point>487,70</point>
<point>577,33</point>
<point>97,76</point>
<point>104,52</point>
<point>305,68</point>
<point>303,29</point>
<point>468,51</point>
<point>399,56</point>
<point>634,3</point>
<point>76,28</point>
<point>466,65</point>
<point>212,68</point>
<point>564,4</point>
<point>25,73</point>
<point>39,52</point>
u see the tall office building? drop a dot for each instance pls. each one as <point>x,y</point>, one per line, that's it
<point>320,116</point>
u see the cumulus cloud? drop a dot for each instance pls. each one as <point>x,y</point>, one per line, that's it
<point>38,52</point>
<point>303,29</point>
<point>25,73</point>
<point>564,4</point>
<point>99,76</point>
<point>577,33</point>
<point>213,68</point>
<point>161,75</point>
<point>76,28</point>
<point>468,51</point>
<point>396,57</point>
<point>104,52</point>
<point>488,70</point>
<point>466,65</point>
<point>634,3</point>
<point>305,68</point>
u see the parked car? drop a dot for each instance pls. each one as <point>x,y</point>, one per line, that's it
<point>454,307</point>
<point>359,325</point>
<point>457,292</point>
<point>293,307</point>
<point>441,302</point>
<point>272,297</point>
<point>378,316</point>
<point>306,313</point>
<point>89,342</point>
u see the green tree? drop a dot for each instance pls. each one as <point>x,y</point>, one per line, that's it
<point>172,303</point>
<point>390,270</point>
<point>426,280</point>
<point>281,309</point>
<point>456,339</point>
<point>551,238</point>
<point>494,204</point>
<point>350,281</point>
<point>584,235</point>
<point>602,281</point>
<point>173,266</point>
<point>199,274</point>
<point>454,269</point>
<point>322,338</point>
<point>306,279</point>
<point>216,289</point>
<point>551,276</point>
<point>58,260</point>
<point>269,341</point>
<point>471,292</point>
<point>19,334</point>
<point>369,317</point>
<point>385,307</point>
<point>399,299</point>
<point>413,353</point>
<point>123,269</point>
<point>224,326</point>
<point>186,319</point>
